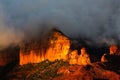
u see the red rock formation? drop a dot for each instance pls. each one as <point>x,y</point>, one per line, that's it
<point>57,48</point>
<point>73,57</point>
<point>113,56</point>
<point>103,58</point>
<point>84,57</point>
<point>113,49</point>
<point>31,57</point>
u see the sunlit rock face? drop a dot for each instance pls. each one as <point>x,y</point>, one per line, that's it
<point>113,49</point>
<point>57,48</point>
<point>34,56</point>
<point>103,58</point>
<point>84,58</point>
<point>73,57</point>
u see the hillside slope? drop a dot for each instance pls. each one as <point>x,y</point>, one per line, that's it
<point>60,70</point>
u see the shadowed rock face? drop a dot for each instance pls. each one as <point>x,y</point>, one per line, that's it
<point>113,56</point>
<point>8,56</point>
<point>57,48</point>
<point>110,58</point>
<point>82,59</point>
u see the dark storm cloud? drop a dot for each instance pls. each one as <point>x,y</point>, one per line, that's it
<point>98,20</point>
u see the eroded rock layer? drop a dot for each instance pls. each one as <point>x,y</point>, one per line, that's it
<point>56,47</point>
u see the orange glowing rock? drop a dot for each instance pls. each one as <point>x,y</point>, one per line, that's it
<point>73,57</point>
<point>57,49</point>
<point>31,57</point>
<point>103,58</point>
<point>113,49</point>
<point>84,57</point>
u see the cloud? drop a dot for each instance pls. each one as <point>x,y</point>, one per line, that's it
<point>9,35</point>
<point>95,19</point>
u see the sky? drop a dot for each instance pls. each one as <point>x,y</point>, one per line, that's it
<point>98,20</point>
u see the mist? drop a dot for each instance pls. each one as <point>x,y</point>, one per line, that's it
<point>97,20</point>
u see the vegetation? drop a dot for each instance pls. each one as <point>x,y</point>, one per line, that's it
<point>47,70</point>
<point>44,70</point>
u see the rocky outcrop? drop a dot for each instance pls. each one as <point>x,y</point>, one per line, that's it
<point>73,57</point>
<point>56,47</point>
<point>84,58</point>
<point>114,50</point>
<point>103,58</point>
<point>113,56</point>
<point>59,47</point>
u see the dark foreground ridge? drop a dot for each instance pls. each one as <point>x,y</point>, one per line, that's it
<point>60,70</point>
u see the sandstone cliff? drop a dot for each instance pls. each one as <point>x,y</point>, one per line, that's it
<point>53,46</point>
